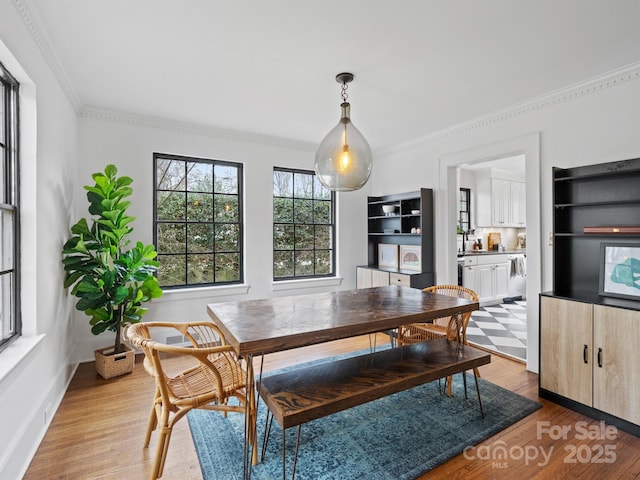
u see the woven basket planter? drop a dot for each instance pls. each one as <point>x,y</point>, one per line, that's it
<point>109,365</point>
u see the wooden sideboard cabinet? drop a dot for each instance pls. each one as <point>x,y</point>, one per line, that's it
<point>367,277</point>
<point>590,357</point>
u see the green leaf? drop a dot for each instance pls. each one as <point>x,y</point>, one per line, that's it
<point>124,181</point>
<point>110,171</point>
<point>120,294</point>
<point>81,228</point>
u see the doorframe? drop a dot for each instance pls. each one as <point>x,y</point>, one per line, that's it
<point>529,146</point>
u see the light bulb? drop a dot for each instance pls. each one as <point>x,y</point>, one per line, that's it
<point>343,159</point>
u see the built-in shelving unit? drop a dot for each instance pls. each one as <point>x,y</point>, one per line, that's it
<point>410,224</point>
<point>606,195</point>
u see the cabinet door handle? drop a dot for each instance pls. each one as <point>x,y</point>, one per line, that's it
<point>585,354</point>
<point>600,357</point>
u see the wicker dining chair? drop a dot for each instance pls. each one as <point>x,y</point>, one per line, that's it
<point>441,327</point>
<point>206,377</point>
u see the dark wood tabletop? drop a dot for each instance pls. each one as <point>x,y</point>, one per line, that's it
<point>256,327</point>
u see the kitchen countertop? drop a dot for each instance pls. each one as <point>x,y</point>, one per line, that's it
<point>470,253</point>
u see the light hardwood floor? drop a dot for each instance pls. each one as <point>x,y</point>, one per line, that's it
<point>99,429</point>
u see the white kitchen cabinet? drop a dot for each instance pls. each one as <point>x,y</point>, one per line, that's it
<point>488,276</point>
<point>500,202</point>
<point>517,194</point>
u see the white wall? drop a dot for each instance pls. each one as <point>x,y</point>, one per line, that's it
<point>35,370</point>
<point>595,122</point>
<point>130,145</point>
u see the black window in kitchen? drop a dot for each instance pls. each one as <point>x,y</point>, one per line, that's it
<point>464,214</point>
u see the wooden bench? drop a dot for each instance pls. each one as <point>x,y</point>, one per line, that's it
<point>301,395</point>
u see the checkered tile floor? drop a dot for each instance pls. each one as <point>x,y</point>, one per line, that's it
<point>502,328</point>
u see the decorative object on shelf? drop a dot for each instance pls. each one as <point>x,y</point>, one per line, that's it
<point>387,255</point>
<point>415,212</point>
<point>620,270</point>
<point>390,230</point>
<point>389,210</point>
<point>410,257</point>
<point>610,230</point>
<point>343,160</point>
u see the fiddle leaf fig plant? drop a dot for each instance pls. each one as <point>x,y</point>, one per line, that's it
<point>110,280</point>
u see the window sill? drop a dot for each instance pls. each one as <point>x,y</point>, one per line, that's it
<point>15,353</point>
<point>203,292</point>
<point>306,283</point>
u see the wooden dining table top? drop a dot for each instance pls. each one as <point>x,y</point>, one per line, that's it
<point>256,327</point>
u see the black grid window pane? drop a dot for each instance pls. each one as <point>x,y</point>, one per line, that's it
<point>303,226</point>
<point>198,221</point>
<point>464,215</point>
<point>10,320</point>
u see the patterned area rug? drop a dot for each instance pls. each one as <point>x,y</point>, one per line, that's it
<point>397,437</point>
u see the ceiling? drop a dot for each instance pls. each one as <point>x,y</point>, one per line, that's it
<point>268,67</point>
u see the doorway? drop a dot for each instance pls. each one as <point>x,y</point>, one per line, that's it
<point>492,202</point>
<point>529,146</point>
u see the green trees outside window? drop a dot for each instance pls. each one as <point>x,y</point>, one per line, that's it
<point>198,221</point>
<point>303,226</point>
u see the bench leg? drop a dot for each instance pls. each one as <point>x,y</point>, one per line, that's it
<point>464,380</point>
<point>267,433</point>
<point>284,454</point>
<point>478,390</point>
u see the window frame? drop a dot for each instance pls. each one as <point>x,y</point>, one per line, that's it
<point>467,194</point>
<point>332,224</point>
<point>240,216</point>
<point>10,197</point>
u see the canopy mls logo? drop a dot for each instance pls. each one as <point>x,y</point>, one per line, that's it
<point>587,450</point>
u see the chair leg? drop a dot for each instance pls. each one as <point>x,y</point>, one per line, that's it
<point>164,435</point>
<point>449,382</point>
<point>153,419</point>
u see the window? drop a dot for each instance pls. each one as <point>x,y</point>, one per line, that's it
<point>464,217</point>
<point>303,226</point>
<point>10,323</point>
<point>197,221</point>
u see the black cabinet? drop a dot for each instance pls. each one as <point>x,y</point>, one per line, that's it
<point>592,204</point>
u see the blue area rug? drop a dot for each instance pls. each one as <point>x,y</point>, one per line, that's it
<point>397,437</point>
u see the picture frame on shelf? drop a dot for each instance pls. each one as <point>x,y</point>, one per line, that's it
<point>387,255</point>
<point>411,257</point>
<point>620,270</point>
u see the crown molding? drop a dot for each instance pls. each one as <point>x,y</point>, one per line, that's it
<point>587,87</point>
<point>192,128</point>
<point>31,19</point>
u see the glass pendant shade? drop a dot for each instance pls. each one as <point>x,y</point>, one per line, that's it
<point>343,159</point>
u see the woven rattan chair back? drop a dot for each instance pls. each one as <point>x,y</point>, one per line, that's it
<point>446,326</point>
<point>454,327</point>
<point>200,372</point>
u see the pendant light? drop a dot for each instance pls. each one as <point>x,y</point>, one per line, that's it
<point>343,159</point>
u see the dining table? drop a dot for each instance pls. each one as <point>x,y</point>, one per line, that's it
<point>262,326</point>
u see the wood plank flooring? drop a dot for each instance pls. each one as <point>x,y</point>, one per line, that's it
<point>98,431</point>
